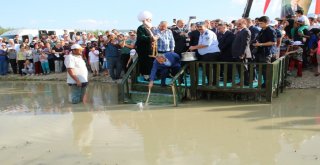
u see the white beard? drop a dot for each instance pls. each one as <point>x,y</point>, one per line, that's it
<point>148,24</point>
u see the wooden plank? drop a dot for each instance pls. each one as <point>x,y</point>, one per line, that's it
<point>251,75</point>
<point>204,73</point>
<point>225,75</point>
<point>241,76</point>
<point>218,74</point>
<point>269,80</point>
<point>234,75</point>
<point>240,90</point>
<point>260,76</point>
<point>210,79</point>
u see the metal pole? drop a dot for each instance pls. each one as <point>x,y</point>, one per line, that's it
<point>247,9</point>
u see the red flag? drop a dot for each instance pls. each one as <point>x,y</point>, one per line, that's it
<point>266,6</point>
<point>317,7</point>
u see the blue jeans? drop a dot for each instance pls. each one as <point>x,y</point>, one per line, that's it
<point>114,64</point>
<point>77,93</point>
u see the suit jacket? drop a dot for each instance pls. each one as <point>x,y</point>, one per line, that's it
<point>180,40</point>
<point>174,58</point>
<point>225,45</point>
<point>241,44</point>
<point>287,10</point>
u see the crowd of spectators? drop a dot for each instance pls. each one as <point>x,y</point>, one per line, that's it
<point>112,52</point>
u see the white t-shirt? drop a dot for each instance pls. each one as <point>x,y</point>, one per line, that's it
<point>79,66</point>
<point>94,56</point>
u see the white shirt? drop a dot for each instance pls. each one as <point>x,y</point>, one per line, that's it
<point>208,38</point>
<point>94,56</point>
<point>79,66</point>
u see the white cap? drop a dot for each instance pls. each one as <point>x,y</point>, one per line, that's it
<point>132,52</point>
<point>84,33</point>
<point>3,43</point>
<point>76,46</point>
<point>99,33</point>
<point>273,23</point>
<point>312,16</point>
<point>144,15</point>
<point>297,43</point>
<point>1,38</point>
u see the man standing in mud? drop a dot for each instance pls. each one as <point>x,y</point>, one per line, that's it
<point>77,74</point>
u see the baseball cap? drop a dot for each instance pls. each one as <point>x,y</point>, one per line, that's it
<point>273,23</point>
<point>132,52</point>
<point>76,46</point>
<point>200,23</point>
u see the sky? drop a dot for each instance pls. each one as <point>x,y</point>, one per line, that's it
<point>106,14</point>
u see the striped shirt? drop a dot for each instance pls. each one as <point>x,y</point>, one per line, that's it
<point>165,41</point>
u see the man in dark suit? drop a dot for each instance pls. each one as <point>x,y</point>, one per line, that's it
<point>225,39</point>
<point>163,65</point>
<point>180,34</point>
<point>241,48</point>
<point>290,9</point>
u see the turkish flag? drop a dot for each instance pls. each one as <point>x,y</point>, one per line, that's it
<point>267,5</point>
<point>317,7</point>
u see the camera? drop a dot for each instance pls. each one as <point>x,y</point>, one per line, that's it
<point>192,17</point>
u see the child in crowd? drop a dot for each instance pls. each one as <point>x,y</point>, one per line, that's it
<point>94,60</point>
<point>28,53</point>
<point>28,68</point>
<point>133,57</point>
<point>36,59</point>
<point>44,63</point>
<point>296,53</point>
<point>21,58</point>
<point>318,57</point>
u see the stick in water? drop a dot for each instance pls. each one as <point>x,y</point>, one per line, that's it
<point>148,97</point>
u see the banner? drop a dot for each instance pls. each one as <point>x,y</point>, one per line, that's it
<point>290,6</point>
<point>266,6</point>
<point>317,7</point>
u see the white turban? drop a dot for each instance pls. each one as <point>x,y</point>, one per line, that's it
<point>144,15</point>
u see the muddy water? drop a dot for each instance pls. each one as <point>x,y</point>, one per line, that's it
<point>39,126</point>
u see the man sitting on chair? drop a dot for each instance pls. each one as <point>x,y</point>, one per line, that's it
<point>163,65</point>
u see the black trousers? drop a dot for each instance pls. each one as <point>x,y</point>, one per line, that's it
<point>21,66</point>
<point>246,70</point>
<point>13,63</point>
<point>207,58</point>
<point>263,59</point>
<point>124,59</point>
<point>51,65</point>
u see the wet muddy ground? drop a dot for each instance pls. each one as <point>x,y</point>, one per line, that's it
<point>39,126</point>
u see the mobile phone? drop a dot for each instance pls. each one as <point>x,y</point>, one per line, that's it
<point>174,20</point>
<point>192,17</point>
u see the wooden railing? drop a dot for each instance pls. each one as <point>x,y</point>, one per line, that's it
<point>200,80</point>
<point>124,86</point>
<point>274,79</point>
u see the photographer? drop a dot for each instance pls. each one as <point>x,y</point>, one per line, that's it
<point>113,57</point>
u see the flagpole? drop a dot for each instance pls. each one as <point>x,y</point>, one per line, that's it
<point>247,9</point>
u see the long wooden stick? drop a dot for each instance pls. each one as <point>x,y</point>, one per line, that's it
<point>148,97</point>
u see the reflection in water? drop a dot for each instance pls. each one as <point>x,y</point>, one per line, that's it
<point>195,133</point>
<point>83,131</point>
<point>51,97</point>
